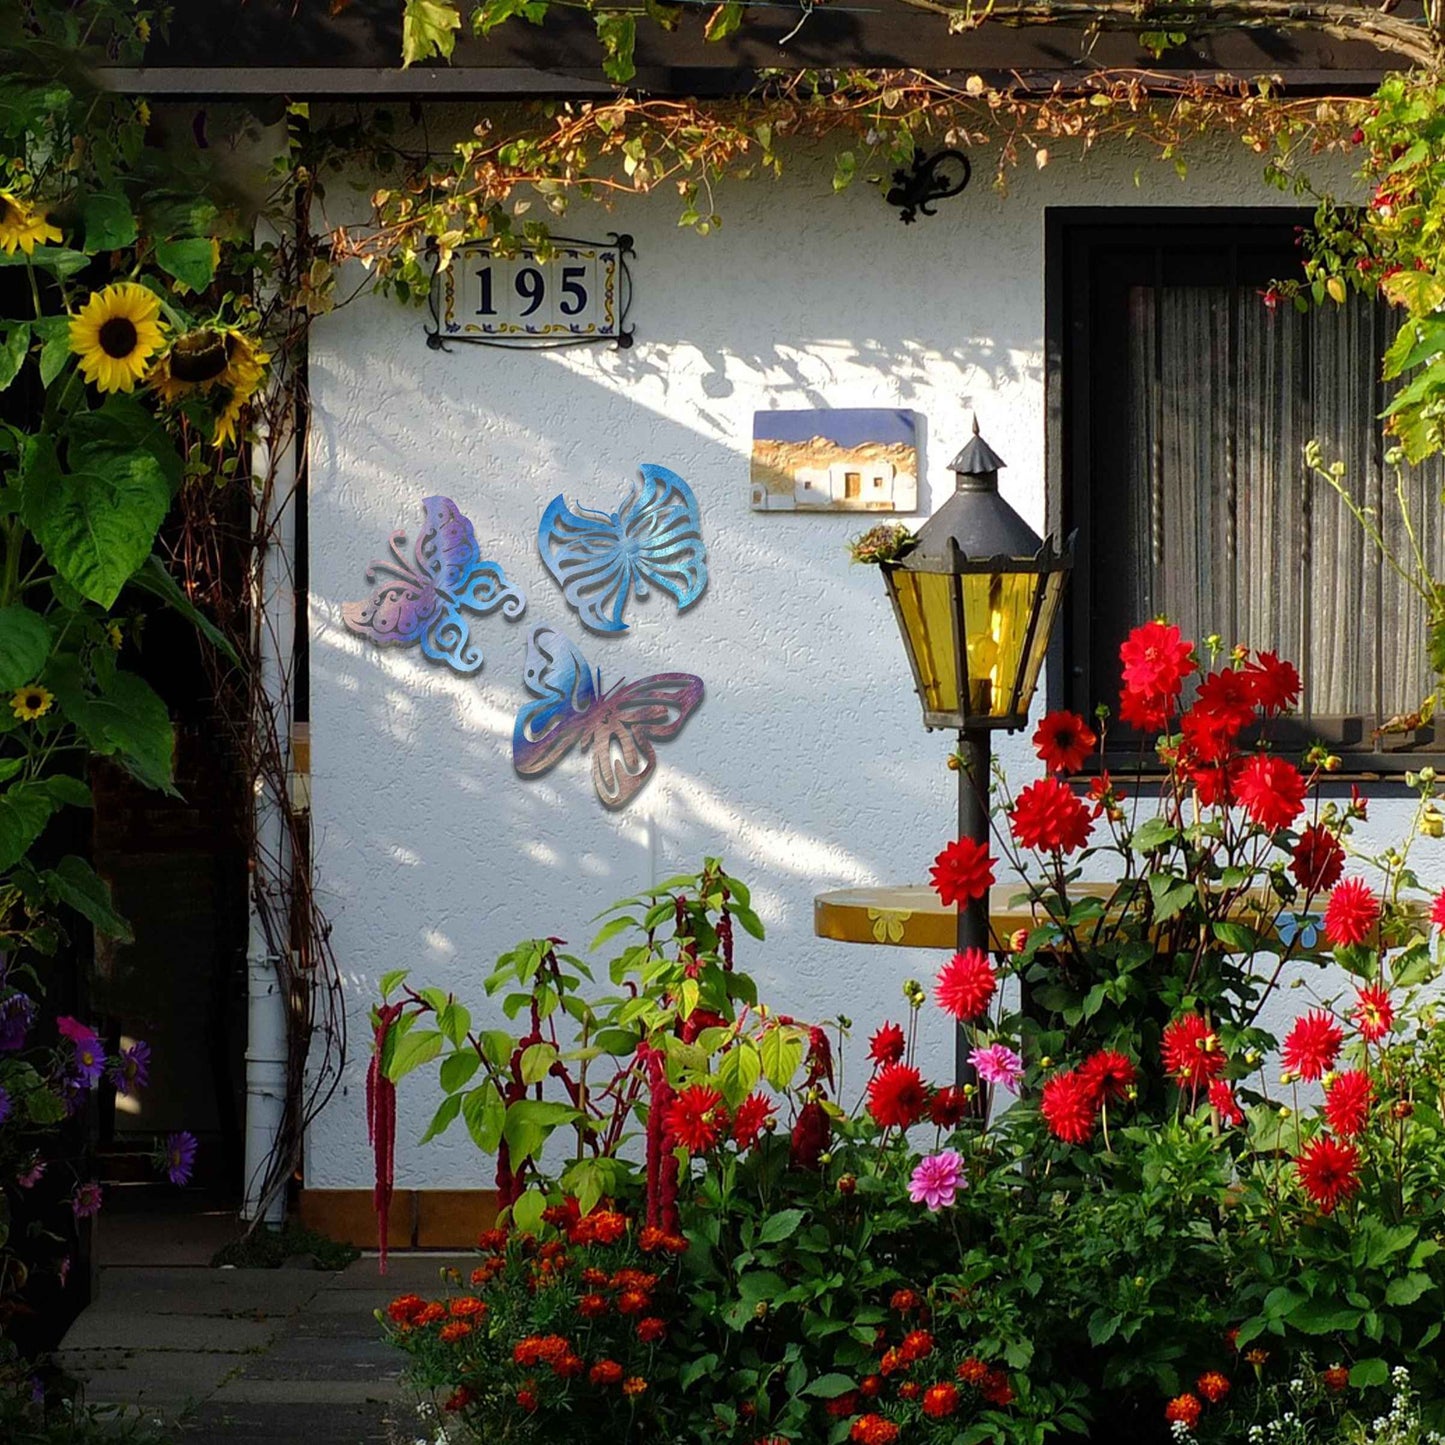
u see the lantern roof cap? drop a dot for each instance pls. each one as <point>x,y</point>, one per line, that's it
<point>977,459</point>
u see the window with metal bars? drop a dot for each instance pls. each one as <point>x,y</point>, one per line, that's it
<point>1180,405</point>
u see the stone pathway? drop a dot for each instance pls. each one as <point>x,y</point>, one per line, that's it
<point>252,1357</point>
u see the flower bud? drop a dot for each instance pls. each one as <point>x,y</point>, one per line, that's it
<point>825,1157</point>
<point>760,1310</point>
<point>1285,1111</point>
<point>1046,1062</point>
<point>1018,940</point>
<point>1432,825</point>
<point>1427,776</point>
<point>847,1183</point>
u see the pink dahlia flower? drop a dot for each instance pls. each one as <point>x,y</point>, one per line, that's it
<point>998,1065</point>
<point>937,1180</point>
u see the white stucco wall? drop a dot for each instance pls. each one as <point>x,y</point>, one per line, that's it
<point>806,767</point>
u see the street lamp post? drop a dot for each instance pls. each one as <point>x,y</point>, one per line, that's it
<point>976,598</point>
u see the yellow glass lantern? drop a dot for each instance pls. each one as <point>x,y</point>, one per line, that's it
<point>976,600</point>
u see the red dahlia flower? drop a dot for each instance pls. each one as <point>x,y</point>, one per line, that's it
<point>1347,1103</point>
<point>1328,1171</point>
<point>887,1045</point>
<point>1318,860</point>
<point>1373,1013</point>
<point>1063,741</point>
<point>1047,816</point>
<point>962,872</point>
<point>1225,702</point>
<point>1156,661</point>
<point>1275,684</point>
<point>1350,914</point>
<point>1109,1075</point>
<point>1271,791</point>
<point>1068,1108</point>
<point>948,1107</point>
<point>751,1121</point>
<point>1437,909</point>
<point>1223,1102</point>
<point>1142,713</point>
<point>897,1097</point>
<point>1313,1045</point>
<point>696,1118</point>
<point>1191,1051</point>
<point>966,984</point>
<point>940,1401</point>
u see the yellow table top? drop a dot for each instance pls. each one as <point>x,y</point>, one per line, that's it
<point>910,916</point>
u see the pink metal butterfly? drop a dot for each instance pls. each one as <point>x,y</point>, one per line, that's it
<point>619,727</point>
<point>424,603</point>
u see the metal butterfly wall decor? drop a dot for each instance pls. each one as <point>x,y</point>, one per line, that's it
<point>619,727</point>
<point>601,559</point>
<point>424,600</point>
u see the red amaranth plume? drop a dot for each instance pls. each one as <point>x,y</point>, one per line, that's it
<point>381,1124</point>
<point>661,1161</point>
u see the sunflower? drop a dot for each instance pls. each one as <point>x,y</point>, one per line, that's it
<point>116,334</point>
<point>22,225</point>
<point>219,359</point>
<point>245,368</point>
<point>31,702</point>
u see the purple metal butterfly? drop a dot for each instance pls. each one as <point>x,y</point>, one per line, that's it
<point>619,727</point>
<point>423,600</point>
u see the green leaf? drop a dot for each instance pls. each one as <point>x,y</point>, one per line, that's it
<point>484,1114</point>
<point>109,222</point>
<point>1323,1317</point>
<point>191,261</point>
<point>24,646</point>
<point>54,334</point>
<point>757,1285</point>
<point>1365,1373</point>
<point>830,1387</point>
<point>440,1121</point>
<point>69,792</point>
<point>738,1072</point>
<point>392,980</point>
<point>780,1225</point>
<point>618,34</point>
<point>25,809</point>
<point>13,351</point>
<point>1171,895</point>
<point>1153,833</point>
<point>1407,1289</point>
<point>114,430</point>
<point>418,1047</point>
<point>611,929</point>
<point>59,259</point>
<point>457,1069</point>
<point>537,1061</point>
<point>726,20</point>
<point>97,527</point>
<point>694,1370</point>
<point>428,27</point>
<point>455,1022</point>
<point>528,1210</point>
<point>43,1107</point>
<point>781,1056</point>
<point>138,727</point>
<point>74,882</point>
<point>154,578</point>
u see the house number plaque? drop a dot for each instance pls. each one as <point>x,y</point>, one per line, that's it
<point>570,293</point>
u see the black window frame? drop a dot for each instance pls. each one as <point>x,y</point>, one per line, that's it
<point>1072,236</point>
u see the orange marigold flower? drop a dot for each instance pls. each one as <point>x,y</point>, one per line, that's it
<point>591,1306</point>
<point>996,1389</point>
<point>467,1305</point>
<point>1336,1378</point>
<point>455,1330</point>
<point>527,1396</point>
<point>1183,1410</point>
<point>568,1366</point>
<point>404,1309</point>
<point>909,1390</point>
<point>634,1279</point>
<point>1256,1357</point>
<point>940,1401</point>
<point>893,1360</point>
<point>873,1430</point>
<point>650,1239</point>
<point>905,1301</point>
<point>972,1371</point>
<point>492,1240</point>
<point>633,1386</point>
<point>840,1407</point>
<point>651,1330</point>
<point>431,1313</point>
<point>459,1399</point>
<point>633,1302</point>
<point>1213,1386</point>
<point>605,1372</point>
<point>870,1386</point>
<point>917,1345</point>
<point>595,1278</point>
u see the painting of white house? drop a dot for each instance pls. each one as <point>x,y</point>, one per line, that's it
<point>845,459</point>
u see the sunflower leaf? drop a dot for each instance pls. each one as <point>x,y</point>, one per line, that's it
<point>13,351</point>
<point>96,525</point>
<point>24,646</point>
<point>53,333</point>
<point>109,222</point>
<point>192,262</point>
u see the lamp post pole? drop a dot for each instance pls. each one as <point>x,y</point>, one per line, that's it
<point>974,753</point>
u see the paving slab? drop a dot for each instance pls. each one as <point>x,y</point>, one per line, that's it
<point>272,1422</point>
<point>137,1331</point>
<point>160,1377</point>
<point>326,1359</point>
<point>302,1392</point>
<point>419,1272</point>
<point>206,1291</point>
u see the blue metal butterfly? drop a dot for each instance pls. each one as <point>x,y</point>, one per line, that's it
<point>600,559</point>
<point>1302,926</point>
<point>422,600</point>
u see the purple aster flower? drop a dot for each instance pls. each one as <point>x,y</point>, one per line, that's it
<point>17,1016</point>
<point>85,1202</point>
<point>937,1180</point>
<point>131,1072</point>
<point>89,1063</point>
<point>5,1106</point>
<point>178,1158</point>
<point>998,1065</point>
<point>31,1176</point>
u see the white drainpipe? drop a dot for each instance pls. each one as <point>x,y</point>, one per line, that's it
<point>275,618</point>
